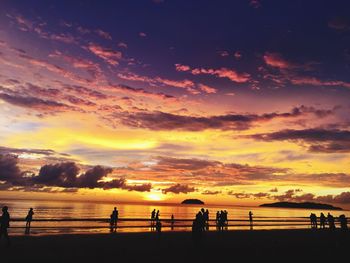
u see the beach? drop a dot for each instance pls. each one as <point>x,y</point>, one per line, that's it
<point>179,246</point>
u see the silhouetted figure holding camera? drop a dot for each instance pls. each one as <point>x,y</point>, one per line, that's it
<point>5,224</point>
<point>29,219</point>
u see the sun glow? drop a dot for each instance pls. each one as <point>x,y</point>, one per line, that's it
<point>154,196</point>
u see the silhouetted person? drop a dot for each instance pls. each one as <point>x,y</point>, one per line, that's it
<point>313,221</point>
<point>222,220</point>
<point>157,216</point>
<point>331,221</point>
<point>197,229</point>
<point>29,219</point>
<point>322,221</point>
<point>158,226</point>
<point>218,220</point>
<point>343,222</point>
<point>153,218</point>
<point>206,219</point>
<point>114,219</point>
<point>172,221</point>
<point>226,219</point>
<point>5,224</point>
<point>251,219</point>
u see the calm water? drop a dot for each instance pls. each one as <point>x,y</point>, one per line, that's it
<point>61,217</point>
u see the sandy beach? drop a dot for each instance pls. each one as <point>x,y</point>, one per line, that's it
<point>179,247</point>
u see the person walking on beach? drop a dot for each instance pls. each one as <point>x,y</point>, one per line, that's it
<point>322,221</point>
<point>29,219</point>
<point>5,224</point>
<point>251,220</point>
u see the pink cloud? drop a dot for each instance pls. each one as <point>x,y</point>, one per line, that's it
<point>180,67</point>
<point>142,34</point>
<point>276,60</point>
<point>317,82</point>
<point>108,55</point>
<point>221,73</point>
<point>207,89</point>
<point>184,84</point>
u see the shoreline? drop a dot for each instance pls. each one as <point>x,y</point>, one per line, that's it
<point>179,246</point>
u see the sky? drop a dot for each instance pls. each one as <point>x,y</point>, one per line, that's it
<point>231,102</point>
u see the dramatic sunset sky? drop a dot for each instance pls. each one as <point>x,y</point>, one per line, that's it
<point>232,102</point>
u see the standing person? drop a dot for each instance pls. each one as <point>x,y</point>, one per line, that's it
<point>322,221</point>
<point>157,216</point>
<point>206,220</point>
<point>114,219</point>
<point>218,220</point>
<point>251,219</point>
<point>5,224</point>
<point>331,223</point>
<point>226,219</point>
<point>343,222</point>
<point>153,217</point>
<point>29,219</point>
<point>172,221</point>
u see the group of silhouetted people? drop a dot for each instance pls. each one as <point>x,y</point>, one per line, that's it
<point>330,220</point>
<point>156,224</point>
<point>221,220</point>
<point>200,224</point>
<point>5,223</point>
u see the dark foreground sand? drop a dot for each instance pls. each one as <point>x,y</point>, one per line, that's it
<point>258,246</point>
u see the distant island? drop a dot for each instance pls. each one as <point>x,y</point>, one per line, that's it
<point>192,202</point>
<point>302,205</point>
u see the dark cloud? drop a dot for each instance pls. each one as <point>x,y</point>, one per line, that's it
<point>34,103</point>
<point>138,188</point>
<point>9,170</point>
<point>209,192</point>
<point>292,196</point>
<point>179,188</point>
<point>249,195</point>
<point>317,140</point>
<point>60,174</point>
<point>165,163</point>
<point>64,175</point>
<point>47,152</point>
<point>158,120</point>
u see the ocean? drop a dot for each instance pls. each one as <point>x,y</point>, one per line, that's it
<point>70,217</point>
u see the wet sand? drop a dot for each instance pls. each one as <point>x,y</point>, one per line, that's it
<point>257,245</point>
